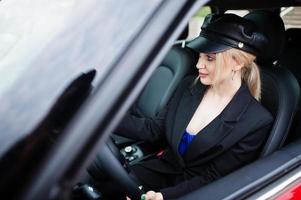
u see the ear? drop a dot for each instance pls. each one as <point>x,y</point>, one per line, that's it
<point>236,64</point>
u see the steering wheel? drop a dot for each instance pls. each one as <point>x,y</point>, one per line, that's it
<point>109,161</point>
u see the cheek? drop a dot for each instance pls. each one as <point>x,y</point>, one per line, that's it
<point>226,73</point>
<point>211,69</point>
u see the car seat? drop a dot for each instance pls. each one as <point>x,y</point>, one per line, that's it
<point>280,89</point>
<point>178,63</point>
<point>290,59</point>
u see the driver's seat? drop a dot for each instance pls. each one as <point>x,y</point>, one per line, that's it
<point>280,89</point>
<point>178,63</point>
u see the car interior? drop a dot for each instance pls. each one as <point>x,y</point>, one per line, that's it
<point>281,78</point>
<point>280,95</point>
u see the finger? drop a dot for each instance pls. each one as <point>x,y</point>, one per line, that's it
<point>150,195</point>
<point>159,196</point>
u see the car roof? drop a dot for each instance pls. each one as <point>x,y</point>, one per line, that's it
<point>252,4</point>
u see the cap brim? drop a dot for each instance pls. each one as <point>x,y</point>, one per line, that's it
<point>204,45</point>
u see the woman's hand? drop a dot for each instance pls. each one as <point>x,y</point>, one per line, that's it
<point>151,195</point>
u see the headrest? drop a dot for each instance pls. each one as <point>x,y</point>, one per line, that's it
<point>293,37</point>
<point>272,26</point>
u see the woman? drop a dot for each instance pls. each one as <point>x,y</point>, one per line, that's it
<point>214,123</point>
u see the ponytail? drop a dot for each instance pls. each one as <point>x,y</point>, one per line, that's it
<point>250,72</point>
<point>251,76</point>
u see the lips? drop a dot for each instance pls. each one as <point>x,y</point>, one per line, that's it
<point>203,75</point>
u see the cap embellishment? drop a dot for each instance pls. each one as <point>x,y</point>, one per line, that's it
<point>240,45</point>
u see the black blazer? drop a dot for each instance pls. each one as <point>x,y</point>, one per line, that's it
<point>231,140</point>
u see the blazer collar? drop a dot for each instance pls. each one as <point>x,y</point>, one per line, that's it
<point>222,126</point>
<point>236,107</point>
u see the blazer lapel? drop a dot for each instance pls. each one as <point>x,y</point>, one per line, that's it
<point>209,137</point>
<point>187,106</point>
<point>221,126</point>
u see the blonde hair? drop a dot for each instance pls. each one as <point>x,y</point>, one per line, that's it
<point>249,72</point>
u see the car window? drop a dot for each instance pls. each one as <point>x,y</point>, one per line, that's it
<point>196,22</point>
<point>238,12</point>
<point>46,45</point>
<point>291,17</point>
<point>25,29</point>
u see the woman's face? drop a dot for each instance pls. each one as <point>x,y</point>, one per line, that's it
<point>207,69</point>
<point>206,66</point>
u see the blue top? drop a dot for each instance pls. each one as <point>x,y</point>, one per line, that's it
<point>185,142</point>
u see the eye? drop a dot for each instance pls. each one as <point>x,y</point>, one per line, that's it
<point>210,57</point>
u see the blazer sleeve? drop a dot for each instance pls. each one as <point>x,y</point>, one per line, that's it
<point>240,154</point>
<point>141,128</point>
<point>151,129</point>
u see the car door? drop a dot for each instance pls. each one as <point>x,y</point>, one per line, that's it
<point>123,42</point>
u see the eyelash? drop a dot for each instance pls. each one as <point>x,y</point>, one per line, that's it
<point>209,58</point>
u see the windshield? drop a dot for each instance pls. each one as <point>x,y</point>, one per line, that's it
<point>45,45</point>
<point>25,29</point>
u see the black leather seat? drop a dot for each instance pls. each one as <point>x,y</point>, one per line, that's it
<point>291,60</point>
<point>280,89</point>
<point>280,95</point>
<point>290,56</point>
<point>178,63</point>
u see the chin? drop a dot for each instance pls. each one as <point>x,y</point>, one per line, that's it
<point>205,81</point>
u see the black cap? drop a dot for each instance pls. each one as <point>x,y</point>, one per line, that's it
<point>224,31</point>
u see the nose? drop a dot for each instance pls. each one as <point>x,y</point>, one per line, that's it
<point>200,64</point>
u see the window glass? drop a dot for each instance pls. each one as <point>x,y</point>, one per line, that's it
<point>196,22</point>
<point>46,45</point>
<point>25,29</point>
<point>291,17</point>
<point>238,12</point>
